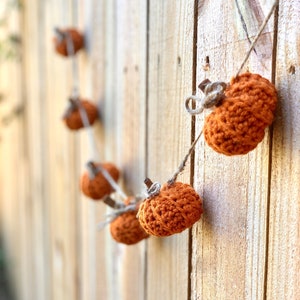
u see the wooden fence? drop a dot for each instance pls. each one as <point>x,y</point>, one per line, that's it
<point>142,59</point>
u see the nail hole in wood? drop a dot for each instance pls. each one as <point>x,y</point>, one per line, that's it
<point>292,69</point>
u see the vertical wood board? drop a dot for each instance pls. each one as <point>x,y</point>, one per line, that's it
<point>284,222</point>
<point>229,245</point>
<point>170,74</point>
<point>130,106</point>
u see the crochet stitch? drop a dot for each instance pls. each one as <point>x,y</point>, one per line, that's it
<point>72,117</point>
<point>98,187</point>
<point>176,208</point>
<point>126,229</point>
<point>60,42</point>
<point>238,124</point>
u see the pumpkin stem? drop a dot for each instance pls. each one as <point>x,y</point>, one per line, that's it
<point>112,203</point>
<point>148,182</point>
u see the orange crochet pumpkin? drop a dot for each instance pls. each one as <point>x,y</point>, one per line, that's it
<point>97,187</point>
<point>126,229</point>
<point>72,117</point>
<point>60,41</point>
<point>176,208</point>
<point>238,124</point>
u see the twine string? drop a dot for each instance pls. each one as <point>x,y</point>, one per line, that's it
<point>112,182</point>
<point>212,95</point>
<point>262,27</point>
<point>183,163</point>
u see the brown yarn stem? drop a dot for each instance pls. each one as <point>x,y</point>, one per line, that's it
<point>262,27</point>
<point>148,182</point>
<point>183,163</point>
<point>112,203</point>
<point>202,85</point>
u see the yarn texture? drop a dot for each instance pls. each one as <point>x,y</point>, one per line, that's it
<point>99,187</point>
<point>238,124</point>
<point>72,117</point>
<point>176,208</point>
<point>126,229</point>
<point>60,43</point>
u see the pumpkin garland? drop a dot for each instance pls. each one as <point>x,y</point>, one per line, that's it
<point>242,111</point>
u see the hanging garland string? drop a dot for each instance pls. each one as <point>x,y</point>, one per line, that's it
<point>262,27</point>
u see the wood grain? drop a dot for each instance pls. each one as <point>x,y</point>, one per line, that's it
<point>130,107</point>
<point>38,248</point>
<point>93,277</point>
<point>229,245</point>
<point>284,222</point>
<point>169,133</point>
<point>60,158</point>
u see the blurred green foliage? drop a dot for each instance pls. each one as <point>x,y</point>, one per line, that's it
<point>10,44</point>
<point>5,288</point>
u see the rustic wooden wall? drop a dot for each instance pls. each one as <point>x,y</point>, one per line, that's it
<point>142,59</point>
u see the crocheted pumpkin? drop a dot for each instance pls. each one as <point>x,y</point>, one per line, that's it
<point>238,124</point>
<point>126,229</point>
<point>98,187</point>
<point>176,208</point>
<point>72,117</point>
<point>60,41</point>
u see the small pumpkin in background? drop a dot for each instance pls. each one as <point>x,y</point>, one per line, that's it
<point>126,228</point>
<point>175,208</point>
<point>61,41</point>
<point>94,184</point>
<point>72,116</point>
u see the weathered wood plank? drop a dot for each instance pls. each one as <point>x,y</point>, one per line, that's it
<point>130,107</point>
<point>284,222</point>
<point>94,275</point>
<point>170,64</point>
<point>38,277</point>
<point>229,245</point>
<point>61,155</point>
<point>110,146</point>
